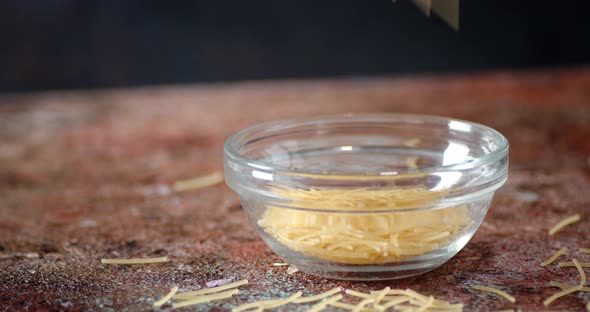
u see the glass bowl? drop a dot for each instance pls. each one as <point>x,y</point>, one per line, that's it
<point>367,196</point>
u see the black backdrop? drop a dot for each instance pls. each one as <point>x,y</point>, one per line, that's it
<point>56,44</point>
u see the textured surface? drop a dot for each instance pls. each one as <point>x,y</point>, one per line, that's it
<point>85,175</point>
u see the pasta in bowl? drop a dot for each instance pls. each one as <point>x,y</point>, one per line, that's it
<point>366,197</point>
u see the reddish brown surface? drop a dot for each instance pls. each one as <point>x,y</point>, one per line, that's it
<point>83,176</point>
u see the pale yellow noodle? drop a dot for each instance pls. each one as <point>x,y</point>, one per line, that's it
<point>357,294</point>
<point>210,290</point>
<point>564,286</point>
<point>496,291</point>
<point>561,224</point>
<point>321,305</point>
<point>426,304</point>
<point>554,257</point>
<point>581,271</point>
<point>168,296</point>
<point>318,296</point>
<point>360,227</point>
<point>560,294</point>
<point>571,264</point>
<point>198,182</point>
<point>362,304</point>
<point>206,298</point>
<point>134,260</point>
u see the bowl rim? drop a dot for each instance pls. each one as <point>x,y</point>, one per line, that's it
<point>230,151</point>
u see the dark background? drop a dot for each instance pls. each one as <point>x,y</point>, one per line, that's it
<point>58,44</point>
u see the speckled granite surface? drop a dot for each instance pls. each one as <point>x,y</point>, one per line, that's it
<point>85,175</point>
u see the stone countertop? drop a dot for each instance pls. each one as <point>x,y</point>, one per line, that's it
<point>85,175</point>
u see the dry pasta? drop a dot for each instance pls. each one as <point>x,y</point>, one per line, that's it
<point>348,234</point>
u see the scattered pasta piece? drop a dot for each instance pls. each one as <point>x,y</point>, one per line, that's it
<point>376,301</point>
<point>560,285</point>
<point>249,306</point>
<point>206,298</point>
<point>400,300</point>
<point>581,271</point>
<point>561,294</point>
<point>426,304</point>
<point>134,260</point>
<point>198,182</point>
<point>567,286</point>
<point>554,257</point>
<point>585,250</point>
<point>164,299</point>
<point>495,291</point>
<point>571,264</point>
<point>561,224</point>
<point>190,294</point>
<point>342,305</point>
<point>280,302</point>
<point>378,295</point>
<point>568,289</point>
<point>319,296</point>
<point>357,294</point>
<point>324,303</point>
<point>280,264</point>
<point>393,302</point>
<point>267,304</point>
<point>359,307</point>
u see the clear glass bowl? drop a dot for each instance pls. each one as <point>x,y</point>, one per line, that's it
<point>366,197</point>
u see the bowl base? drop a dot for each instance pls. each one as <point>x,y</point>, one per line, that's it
<point>365,276</point>
<point>378,272</point>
